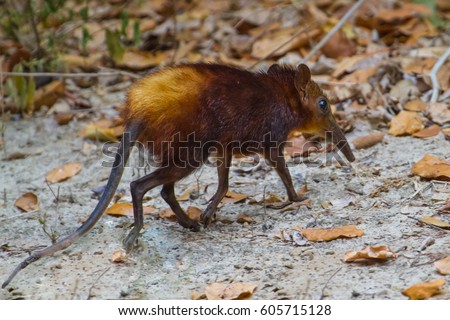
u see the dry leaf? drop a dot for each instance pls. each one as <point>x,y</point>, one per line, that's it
<point>299,146</point>
<point>244,218</point>
<point>229,291</point>
<point>16,156</point>
<point>339,46</point>
<point>439,112</point>
<point>398,15</point>
<point>443,266</point>
<point>140,60</point>
<point>186,195</point>
<point>424,290</point>
<point>119,256</point>
<point>284,40</point>
<point>369,140</point>
<point>126,209</point>
<point>198,296</point>
<point>445,207</point>
<point>63,118</point>
<point>234,197</point>
<point>415,105</point>
<point>405,123</point>
<point>77,61</point>
<point>27,202</point>
<point>64,172</point>
<point>370,252</point>
<point>435,222</point>
<point>316,234</point>
<point>432,167</point>
<point>168,214</point>
<point>96,133</point>
<point>48,94</point>
<point>194,213</point>
<point>431,131</point>
<point>296,205</point>
<point>342,202</point>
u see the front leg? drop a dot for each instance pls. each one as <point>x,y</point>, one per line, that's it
<point>277,161</point>
<point>223,170</point>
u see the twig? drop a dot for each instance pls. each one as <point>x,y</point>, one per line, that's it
<point>177,44</point>
<point>69,75</point>
<point>338,84</point>
<point>96,280</point>
<point>322,295</point>
<point>433,75</point>
<point>333,31</point>
<point>34,27</point>
<point>417,192</point>
<point>295,35</point>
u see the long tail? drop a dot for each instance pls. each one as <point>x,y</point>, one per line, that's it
<point>122,155</point>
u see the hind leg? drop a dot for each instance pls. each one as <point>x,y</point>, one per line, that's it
<point>223,170</point>
<point>183,219</point>
<point>139,188</point>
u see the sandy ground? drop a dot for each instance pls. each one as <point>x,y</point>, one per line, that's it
<point>172,262</point>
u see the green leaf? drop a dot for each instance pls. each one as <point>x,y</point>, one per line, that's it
<point>86,36</point>
<point>125,19</point>
<point>136,33</point>
<point>30,94</point>
<point>115,47</point>
<point>84,13</point>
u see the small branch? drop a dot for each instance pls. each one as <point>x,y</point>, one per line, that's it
<point>34,27</point>
<point>95,282</point>
<point>326,284</point>
<point>333,31</point>
<point>433,75</point>
<point>70,75</point>
<point>337,84</point>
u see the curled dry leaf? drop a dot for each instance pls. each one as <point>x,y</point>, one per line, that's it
<point>443,266</point>
<point>432,167</point>
<point>316,234</point>
<point>435,222</point>
<point>431,131</point>
<point>439,112</point>
<point>445,208</point>
<point>194,213</point>
<point>229,291</point>
<point>424,290</point>
<point>119,256</point>
<point>27,202</point>
<point>126,209</point>
<point>405,123</point>
<point>369,140</point>
<point>370,252</point>
<point>64,172</point>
